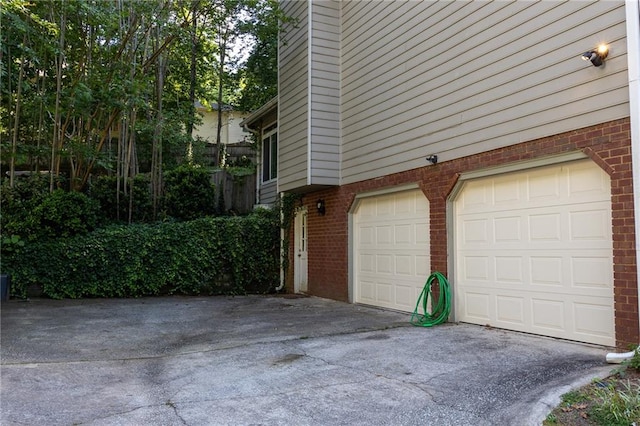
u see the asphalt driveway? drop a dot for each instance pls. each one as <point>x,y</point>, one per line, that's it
<point>272,361</point>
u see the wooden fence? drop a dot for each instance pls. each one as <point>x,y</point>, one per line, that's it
<point>239,191</point>
<point>234,153</point>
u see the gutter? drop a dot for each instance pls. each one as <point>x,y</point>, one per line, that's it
<point>632,8</point>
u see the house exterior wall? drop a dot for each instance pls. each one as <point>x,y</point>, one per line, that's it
<point>325,94</point>
<point>460,78</point>
<point>607,144</point>
<point>480,84</point>
<point>268,193</point>
<point>293,99</point>
<point>231,130</point>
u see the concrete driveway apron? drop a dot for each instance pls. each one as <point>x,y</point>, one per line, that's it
<point>261,360</point>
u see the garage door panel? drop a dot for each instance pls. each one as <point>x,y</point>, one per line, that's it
<point>405,295</point>
<point>475,231</point>
<point>507,193</point>
<point>545,227</point>
<point>539,188</point>
<point>366,236</point>
<point>562,274</point>
<point>367,289</point>
<point>384,264</point>
<point>422,266</point>
<point>403,265</point>
<point>366,263</point>
<point>392,240</point>
<point>477,306</point>
<point>592,272</point>
<point>587,182</point>
<point>384,235</point>
<point>533,252</point>
<point>384,292</point>
<point>509,269</point>
<point>593,319</point>
<point>546,270</point>
<point>422,234</point>
<point>476,268</point>
<point>591,224</point>
<point>547,314</point>
<point>403,233</point>
<point>507,229</point>
<point>510,309</point>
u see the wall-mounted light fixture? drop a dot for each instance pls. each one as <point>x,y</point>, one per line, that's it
<point>597,55</point>
<point>320,206</point>
<point>433,159</point>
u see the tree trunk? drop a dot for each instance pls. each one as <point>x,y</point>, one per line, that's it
<point>57,135</point>
<point>16,120</point>
<point>156,155</point>
<point>192,70</point>
<point>223,49</point>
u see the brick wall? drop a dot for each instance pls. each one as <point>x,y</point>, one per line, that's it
<point>607,144</point>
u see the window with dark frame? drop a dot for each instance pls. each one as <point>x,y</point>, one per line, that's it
<point>270,153</point>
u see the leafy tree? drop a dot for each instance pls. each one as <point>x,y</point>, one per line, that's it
<point>189,193</point>
<point>259,76</point>
<point>108,87</point>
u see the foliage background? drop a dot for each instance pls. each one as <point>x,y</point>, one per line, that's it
<point>97,103</point>
<point>109,87</point>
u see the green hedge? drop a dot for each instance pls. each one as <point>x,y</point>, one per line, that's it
<point>213,255</point>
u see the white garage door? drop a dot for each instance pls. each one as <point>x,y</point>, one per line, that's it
<point>391,243</point>
<point>534,252</point>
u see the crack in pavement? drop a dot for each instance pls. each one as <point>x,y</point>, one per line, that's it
<point>199,351</point>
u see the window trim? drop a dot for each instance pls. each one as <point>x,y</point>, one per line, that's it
<point>267,135</point>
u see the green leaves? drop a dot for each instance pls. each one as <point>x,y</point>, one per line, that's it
<point>231,255</point>
<point>189,192</point>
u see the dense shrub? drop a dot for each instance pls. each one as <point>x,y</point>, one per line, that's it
<point>17,204</point>
<point>206,256</point>
<point>65,214</point>
<point>104,189</point>
<point>31,212</point>
<point>189,192</point>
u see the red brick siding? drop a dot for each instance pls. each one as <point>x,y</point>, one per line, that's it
<point>607,144</point>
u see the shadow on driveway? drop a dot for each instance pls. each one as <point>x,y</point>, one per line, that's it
<point>272,361</point>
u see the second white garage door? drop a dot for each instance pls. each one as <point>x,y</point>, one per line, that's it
<point>533,252</point>
<point>391,249</point>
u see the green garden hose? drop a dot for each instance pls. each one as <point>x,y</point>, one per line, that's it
<point>441,309</point>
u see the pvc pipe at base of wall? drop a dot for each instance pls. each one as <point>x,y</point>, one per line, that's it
<point>616,358</point>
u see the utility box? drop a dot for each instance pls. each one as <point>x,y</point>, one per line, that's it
<point>5,286</point>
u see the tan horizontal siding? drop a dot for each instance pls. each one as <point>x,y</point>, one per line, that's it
<point>457,78</point>
<point>325,93</point>
<point>293,99</point>
<point>268,193</point>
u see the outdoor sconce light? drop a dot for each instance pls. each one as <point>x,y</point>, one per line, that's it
<point>320,206</point>
<point>433,158</point>
<point>596,56</point>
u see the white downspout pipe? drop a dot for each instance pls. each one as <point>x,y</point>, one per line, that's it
<point>633,57</point>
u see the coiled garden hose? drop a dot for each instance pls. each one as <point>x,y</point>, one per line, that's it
<point>440,311</point>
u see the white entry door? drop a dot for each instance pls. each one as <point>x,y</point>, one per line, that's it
<point>534,253</point>
<point>300,252</point>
